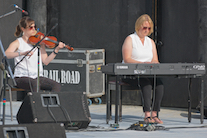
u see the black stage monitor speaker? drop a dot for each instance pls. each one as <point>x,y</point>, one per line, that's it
<point>70,108</point>
<point>49,130</point>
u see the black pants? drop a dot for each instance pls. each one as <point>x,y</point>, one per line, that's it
<point>147,85</point>
<point>31,84</point>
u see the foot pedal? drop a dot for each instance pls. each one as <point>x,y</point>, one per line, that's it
<point>142,126</point>
<point>114,125</point>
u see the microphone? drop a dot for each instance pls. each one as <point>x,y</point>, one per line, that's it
<point>23,11</point>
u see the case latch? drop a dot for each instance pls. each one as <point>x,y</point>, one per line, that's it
<point>79,62</point>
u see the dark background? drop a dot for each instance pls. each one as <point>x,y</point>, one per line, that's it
<point>180,32</point>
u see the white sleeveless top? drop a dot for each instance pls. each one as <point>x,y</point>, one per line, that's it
<point>140,52</point>
<point>27,67</point>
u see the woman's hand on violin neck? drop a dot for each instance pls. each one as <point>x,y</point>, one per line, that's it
<point>60,45</point>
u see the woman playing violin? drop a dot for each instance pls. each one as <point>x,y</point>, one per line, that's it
<point>26,71</point>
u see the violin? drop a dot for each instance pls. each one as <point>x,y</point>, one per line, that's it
<point>49,41</point>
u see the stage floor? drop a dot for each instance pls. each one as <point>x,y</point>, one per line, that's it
<point>175,123</point>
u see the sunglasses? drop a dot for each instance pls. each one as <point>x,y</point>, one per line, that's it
<point>145,28</point>
<point>31,27</point>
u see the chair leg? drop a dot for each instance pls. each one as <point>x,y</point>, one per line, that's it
<point>120,104</point>
<point>10,94</point>
<point>10,97</point>
<point>108,104</point>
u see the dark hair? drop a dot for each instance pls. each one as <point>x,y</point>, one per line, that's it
<point>24,22</point>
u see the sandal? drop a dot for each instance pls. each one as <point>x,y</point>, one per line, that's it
<point>157,120</point>
<point>149,120</point>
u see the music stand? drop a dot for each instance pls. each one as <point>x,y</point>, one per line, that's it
<point>6,69</point>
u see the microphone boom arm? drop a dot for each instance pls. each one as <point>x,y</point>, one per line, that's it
<point>8,14</point>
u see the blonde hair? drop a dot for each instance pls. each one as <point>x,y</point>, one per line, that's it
<point>24,22</point>
<point>141,20</point>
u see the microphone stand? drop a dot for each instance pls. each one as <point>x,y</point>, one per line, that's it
<point>38,70</point>
<point>36,45</point>
<point>5,78</point>
<point>5,81</point>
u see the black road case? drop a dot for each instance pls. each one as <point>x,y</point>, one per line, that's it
<point>78,70</point>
